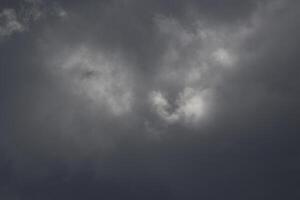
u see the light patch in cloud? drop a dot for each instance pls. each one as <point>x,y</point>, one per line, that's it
<point>163,107</point>
<point>189,107</point>
<point>9,23</point>
<point>60,12</point>
<point>98,77</point>
<point>223,57</point>
<point>57,10</point>
<point>196,56</point>
<point>194,75</point>
<point>176,32</point>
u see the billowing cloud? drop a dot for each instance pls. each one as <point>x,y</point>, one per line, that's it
<point>189,107</point>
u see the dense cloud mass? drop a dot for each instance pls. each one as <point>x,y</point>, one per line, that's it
<point>161,99</point>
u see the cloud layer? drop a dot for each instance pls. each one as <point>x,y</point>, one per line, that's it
<point>139,99</point>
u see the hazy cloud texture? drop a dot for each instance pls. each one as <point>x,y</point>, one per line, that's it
<point>162,99</point>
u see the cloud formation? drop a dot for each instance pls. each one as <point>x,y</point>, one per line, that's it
<point>189,106</point>
<point>98,77</point>
<point>29,11</point>
<point>157,99</point>
<point>9,23</point>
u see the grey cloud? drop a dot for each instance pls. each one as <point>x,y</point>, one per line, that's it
<point>20,18</point>
<point>108,102</point>
<point>138,37</point>
<point>9,23</point>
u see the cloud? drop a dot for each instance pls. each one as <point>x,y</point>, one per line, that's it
<point>182,65</point>
<point>198,53</point>
<point>99,77</point>
<point>163,98</point>
<point>30,11</point>
<point>223,57</point>
<point>34,10</point>
<point>195,62</point>
<point>162,106</point>
<point>9,23</point>
<point>189,107</point>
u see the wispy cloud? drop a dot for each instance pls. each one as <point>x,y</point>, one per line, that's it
<point>30,11</point>
<point>9,23</point>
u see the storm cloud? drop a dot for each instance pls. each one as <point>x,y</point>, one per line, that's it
<point>139,99</point>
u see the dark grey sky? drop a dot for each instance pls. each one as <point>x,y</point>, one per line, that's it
<point>138,99</point>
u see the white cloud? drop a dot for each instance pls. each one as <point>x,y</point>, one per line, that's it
<point>189,107</point>
<point>162,107</point>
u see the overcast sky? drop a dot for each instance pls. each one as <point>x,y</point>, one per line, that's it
<point>150,99</point>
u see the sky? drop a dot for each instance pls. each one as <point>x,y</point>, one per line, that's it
<point>138,99</point>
